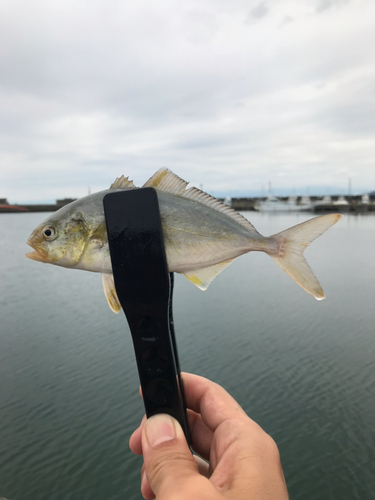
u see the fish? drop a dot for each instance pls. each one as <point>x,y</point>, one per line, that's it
<point>202,236</point>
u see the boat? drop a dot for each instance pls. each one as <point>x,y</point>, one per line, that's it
<point>326,204</point>
<point>12,208</point>
<point>306,201</point>
<point>341,204</point>
<point>274,204</point>
<point>323,205</point>
<point>364,204</point>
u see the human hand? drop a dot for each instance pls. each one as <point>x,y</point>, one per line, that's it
<point>244,461</point>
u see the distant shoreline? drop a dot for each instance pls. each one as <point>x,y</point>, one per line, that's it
<point>354,204</point>
<point>37,207</point>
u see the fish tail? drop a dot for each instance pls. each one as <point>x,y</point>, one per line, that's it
<point>289,248</point>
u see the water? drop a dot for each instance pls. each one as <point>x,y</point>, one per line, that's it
<point>303,369</point>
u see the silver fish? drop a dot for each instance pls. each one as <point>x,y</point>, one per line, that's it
<point>202,236</point>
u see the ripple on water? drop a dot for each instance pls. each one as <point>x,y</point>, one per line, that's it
<point>303,369</point>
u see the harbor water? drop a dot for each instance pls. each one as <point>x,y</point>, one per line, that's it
<point>303,369</point>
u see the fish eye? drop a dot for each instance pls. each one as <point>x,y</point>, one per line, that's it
<point>49,233</point>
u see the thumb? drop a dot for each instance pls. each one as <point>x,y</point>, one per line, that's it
<point>168,462</point>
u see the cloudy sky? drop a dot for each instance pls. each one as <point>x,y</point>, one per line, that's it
<point>229,94</point>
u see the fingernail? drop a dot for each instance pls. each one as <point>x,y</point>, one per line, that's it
<point>159,428</point>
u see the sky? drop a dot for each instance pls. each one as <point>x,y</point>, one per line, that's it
<point>231,95</point>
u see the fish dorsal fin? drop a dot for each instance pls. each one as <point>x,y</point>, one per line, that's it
<point>203,277</point>
<point>122,183</point>
<point>110,292</point>
<point>167,181</point>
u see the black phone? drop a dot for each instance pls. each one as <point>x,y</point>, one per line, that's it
<point>144,288</point>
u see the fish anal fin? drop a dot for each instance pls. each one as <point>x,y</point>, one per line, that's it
<point>122,183</point>
<point>203,277</point>
<point>110,292</point>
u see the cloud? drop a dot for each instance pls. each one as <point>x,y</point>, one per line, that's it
<point>327,4</point>
<point>259,11</point>
<point>92,91</point>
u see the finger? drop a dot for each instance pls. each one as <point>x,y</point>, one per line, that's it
<point>203,469</point>
<point>135,441</point>
<point>203,466</point>
<point>250,459</point>
<point>146,490</point>
<point>169,465</point>
<point>201,435</point>
<point>211,401</point>
<point>207,397</point>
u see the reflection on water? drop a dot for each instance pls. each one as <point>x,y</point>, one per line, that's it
<point>303,369</point>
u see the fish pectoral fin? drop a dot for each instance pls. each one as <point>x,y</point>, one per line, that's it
<point>110,292</point>
<point>203,277</point>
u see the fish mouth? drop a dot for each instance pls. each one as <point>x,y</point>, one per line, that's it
<point>39,254</point>
<point>35,256</point>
